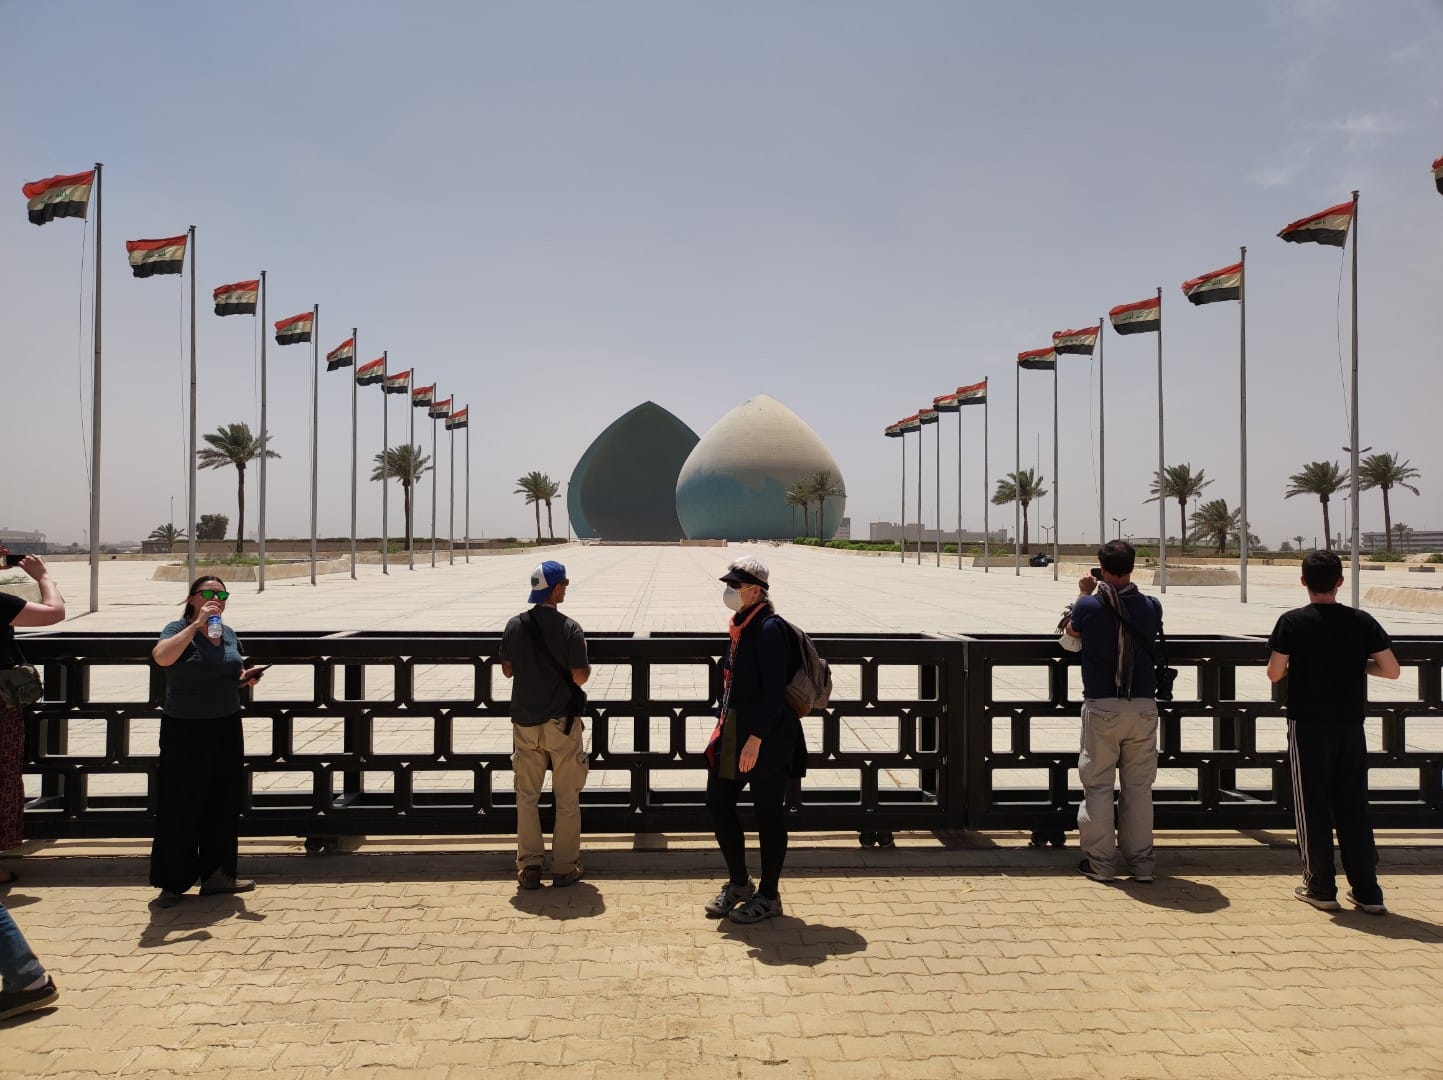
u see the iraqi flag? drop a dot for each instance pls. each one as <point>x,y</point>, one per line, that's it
<point>343,355</point>
<point>1038,360</point>
<point>927,416</point>
<point>1329,227</point>
<point>59,196</point>
<point>296,329</point>
<point>976,394</point>
<point>1143,317</point>
<point>422,396</point>
<point>150,257</point>
<point>910,423</point>
<point>1437,177</point>
<point>400,383</point>
<point>439,410</point>
<point>1080,342</point>
<point>945,403</point>
<point>457,420</point>
<point>894,431</point>
<point>237,298</point>
<point>372,373</point>
<point>1224,284</point>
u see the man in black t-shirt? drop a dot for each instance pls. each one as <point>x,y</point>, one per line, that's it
<point>545,653</point>
<point>1326,651</point>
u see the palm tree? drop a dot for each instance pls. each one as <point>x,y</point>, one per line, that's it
<point>1020,487</point>
<point>539,488</point>
<point>1214,521</point>
<point>1181,483</point>
<point>407,464</point>
<point>824,487</point>
<point>166,534</point>
<point>799,494</point>
<point>1300,540</point>
<point>233,444</point>
<point>1385,471</point>
<point>1323,479</point>
<point>1404,531</point>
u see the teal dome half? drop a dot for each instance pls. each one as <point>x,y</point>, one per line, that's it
<point>624,485</point>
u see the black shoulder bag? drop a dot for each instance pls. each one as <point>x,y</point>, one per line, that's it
<point>1164,675</point>
<point>20,684</point>
<point>577,705</point>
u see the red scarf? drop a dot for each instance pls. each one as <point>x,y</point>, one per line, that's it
<point>734,631</point>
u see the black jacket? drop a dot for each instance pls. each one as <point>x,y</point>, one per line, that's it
<point>761,669</point>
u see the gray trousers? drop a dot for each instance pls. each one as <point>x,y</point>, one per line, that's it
<point>1119,738</point>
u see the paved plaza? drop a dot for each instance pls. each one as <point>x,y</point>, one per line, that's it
<point>950,955</point>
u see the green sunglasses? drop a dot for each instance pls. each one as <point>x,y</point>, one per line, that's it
<point>213,594</point>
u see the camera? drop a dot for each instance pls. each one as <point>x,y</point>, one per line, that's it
<point>1166,676</point>
<point>1096,572</point>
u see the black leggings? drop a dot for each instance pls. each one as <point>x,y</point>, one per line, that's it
<point>198,804</point>
<point>768,796</point>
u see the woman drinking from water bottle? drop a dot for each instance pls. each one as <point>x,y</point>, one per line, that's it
<point>201,780</point>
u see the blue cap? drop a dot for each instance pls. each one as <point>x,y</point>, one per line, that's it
<point>545,578</point>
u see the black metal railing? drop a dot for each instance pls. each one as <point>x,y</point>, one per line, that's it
<point>408,733</point>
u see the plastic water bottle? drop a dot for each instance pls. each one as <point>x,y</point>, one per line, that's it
<point>212,629</point>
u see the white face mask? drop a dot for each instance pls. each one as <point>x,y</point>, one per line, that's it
<point>731,598</point>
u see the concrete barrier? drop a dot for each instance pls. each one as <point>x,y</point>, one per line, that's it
<point>1194,575</point>
<point>1405,598</point>
<point>274,571</point>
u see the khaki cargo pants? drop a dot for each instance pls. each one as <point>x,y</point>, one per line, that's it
<point>534,750</point>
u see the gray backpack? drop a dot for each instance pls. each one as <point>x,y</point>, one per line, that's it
<point>810,688</point>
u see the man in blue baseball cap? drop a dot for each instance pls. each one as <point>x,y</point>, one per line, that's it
<point>545,653</point>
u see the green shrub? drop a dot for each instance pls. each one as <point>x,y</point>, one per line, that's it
<point>1436,557</point>
<point>1386,556</point>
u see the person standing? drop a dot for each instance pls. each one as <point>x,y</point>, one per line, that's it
<point>758,741</point>
<point>545,653</point>
<point>201,782</point>
<point>49,610</point>
<point>1326,651</point>
<point>1119,628</point>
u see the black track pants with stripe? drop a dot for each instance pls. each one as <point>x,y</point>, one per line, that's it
<point>1330,791</point>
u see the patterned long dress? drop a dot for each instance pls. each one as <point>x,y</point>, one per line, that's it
<point>12,784</point>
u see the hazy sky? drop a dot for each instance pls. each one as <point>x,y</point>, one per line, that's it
<point>558,211</point>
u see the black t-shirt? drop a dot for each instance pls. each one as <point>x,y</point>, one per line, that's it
<point>1327,646</point>
<point>10,606</point>
<point>538,690</point>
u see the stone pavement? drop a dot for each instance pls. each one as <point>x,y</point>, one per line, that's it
<point>973,956</point>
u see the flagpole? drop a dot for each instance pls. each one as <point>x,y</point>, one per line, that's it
<point>468,487</point>
<point>1353,494</point>
<point>410,453</point>
<point>920,429</point>
<point>95,421</point>
<point>1101,441</point>
<point>265,452</point>
<point>385,474</point>
<point>959,484</point>
<point>1243,420</point>
<point>938,498</point>
<point>355,353</point>
<point>1017,473</point>
<point>1161,501</point>
<point>1056,486</point>
<point>190,546</point>
<point>433,481</point>
<point>903,544</point>
<point>986,479</point>
<point>315,424</point>
<point>451,507</point>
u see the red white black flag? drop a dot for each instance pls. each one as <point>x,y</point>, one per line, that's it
<point>1143,317</point>
<point>372,373</point>
<point>1224,284</point>
<point>927,416</point>
<point>976,394</point>
<point>439,409</point>
<point>945,403</point>
<point>1037,360</point>
<point>238,298</point>
<point>59,196</point>
<point>457,420</point>
<point>894,431</point>
<point>399,383</point>
<point>1437,176</point>
<point>422,396</point>
<point>1329,227</point>
<point>149,257</point>
<point>296,329</point>
<point>1080,342</point>
<point>343,355</point>
<point>910,423</point>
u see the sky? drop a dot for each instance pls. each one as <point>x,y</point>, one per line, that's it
<point>556,212</point>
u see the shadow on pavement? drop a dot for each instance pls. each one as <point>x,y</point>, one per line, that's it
<point>790,942</point>
<point>579,901</point>
<point>15,900</point>
<point>1398,927</point>
<point>190,917</point>
<point>1176,894</point>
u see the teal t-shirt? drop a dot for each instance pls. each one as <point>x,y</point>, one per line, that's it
<point>204,684</point>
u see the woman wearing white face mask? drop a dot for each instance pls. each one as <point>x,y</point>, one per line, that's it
<point>755,742</point>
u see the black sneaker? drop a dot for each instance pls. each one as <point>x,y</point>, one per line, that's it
<point>19,1002</point>
<point>222,884</point>
<point>1372,909</point>
<point>1086,870</point>
<point>1320,902</point>
<point>756,909</point>
<point>529,877</point>
<point>730,896</point>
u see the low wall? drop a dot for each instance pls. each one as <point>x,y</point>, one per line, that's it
<point>1403,598</point>
<point>274,571</point>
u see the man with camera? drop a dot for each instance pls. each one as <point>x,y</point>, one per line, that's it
<point>1119,628</point>
<point>545,652</point>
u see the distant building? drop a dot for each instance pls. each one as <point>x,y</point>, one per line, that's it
<point>1411,541</point>
<point>890,531</point>
<point>21,542</point>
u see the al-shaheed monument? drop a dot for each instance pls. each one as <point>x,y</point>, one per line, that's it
<point>648,476</point>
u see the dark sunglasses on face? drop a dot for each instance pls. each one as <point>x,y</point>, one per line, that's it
<point>213,594</point>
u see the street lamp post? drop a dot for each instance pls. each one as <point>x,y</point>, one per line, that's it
<point>1118,521</point>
